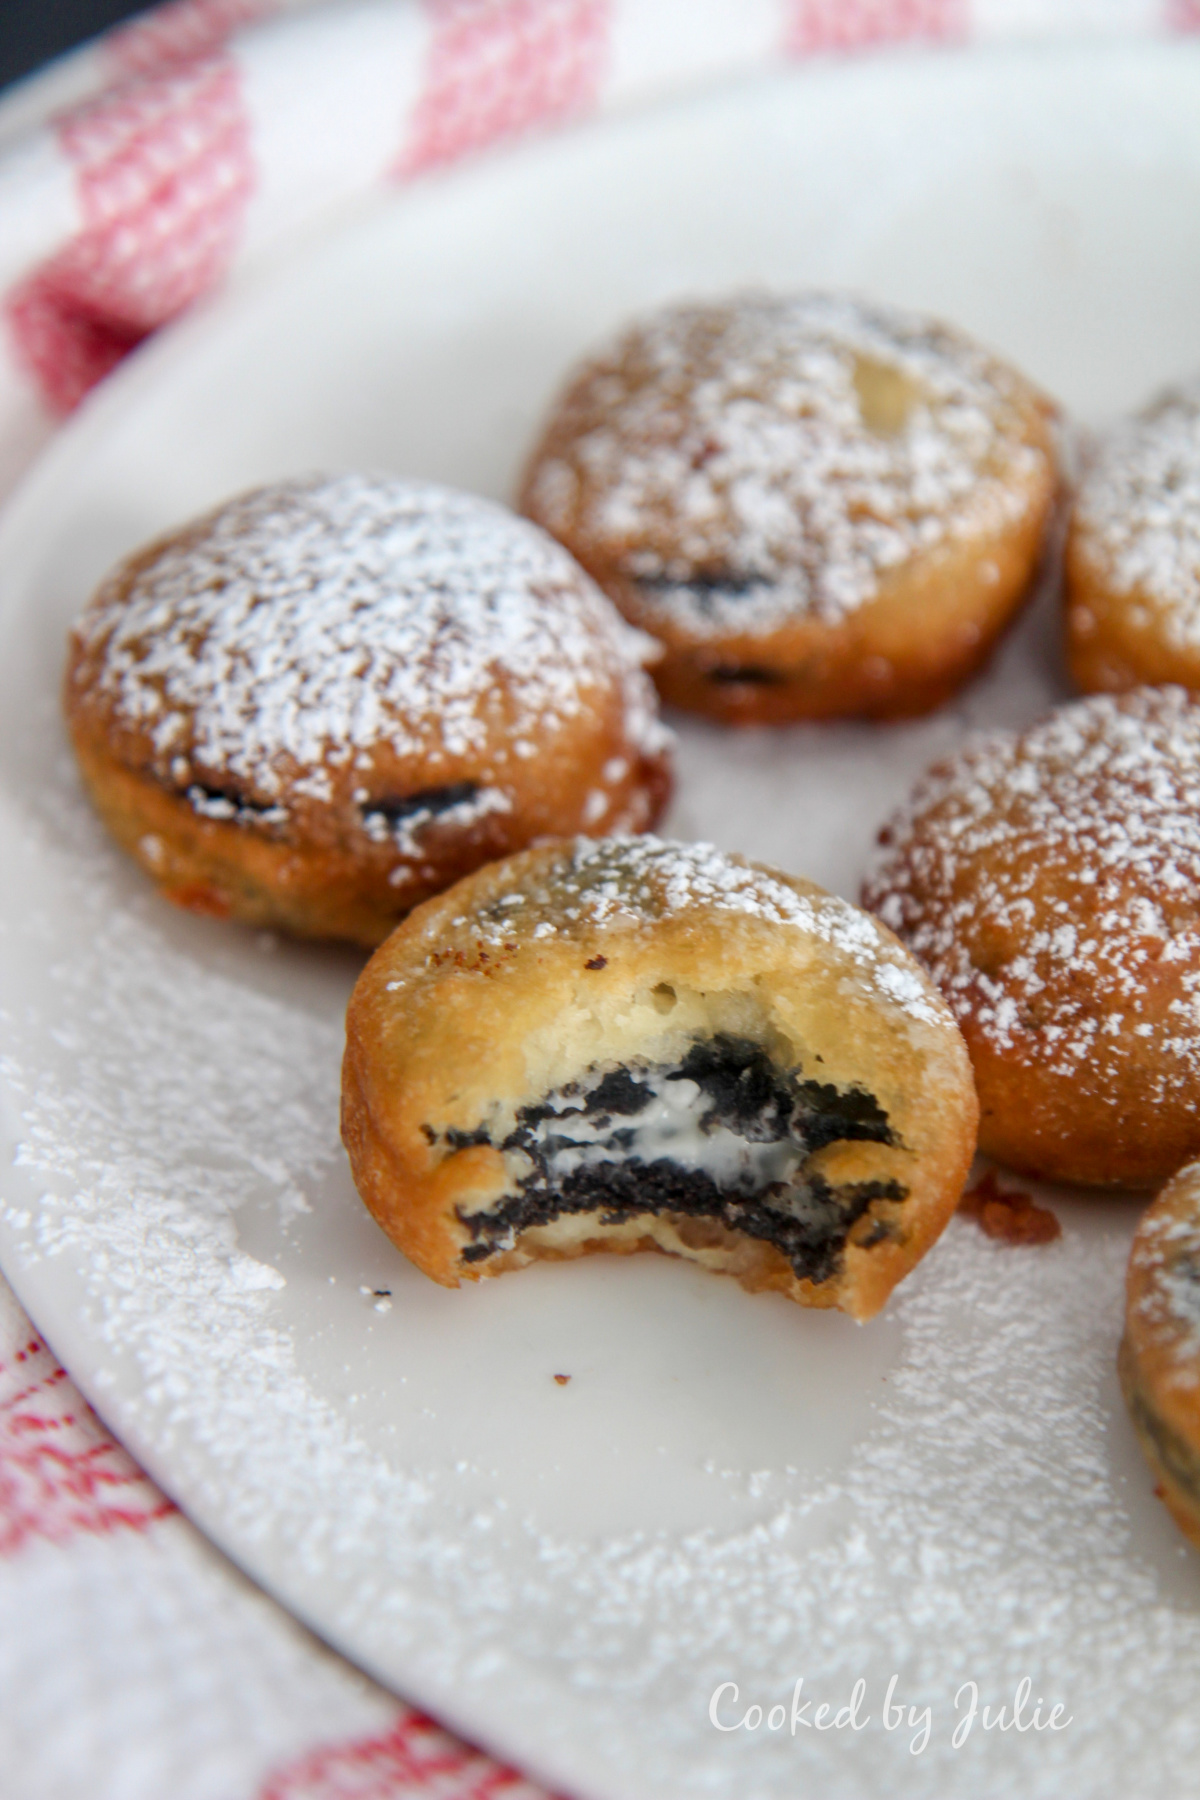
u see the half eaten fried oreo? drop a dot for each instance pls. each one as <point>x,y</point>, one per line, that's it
<point>628,1044</point>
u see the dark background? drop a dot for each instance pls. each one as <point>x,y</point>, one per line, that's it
<point>32,31</point>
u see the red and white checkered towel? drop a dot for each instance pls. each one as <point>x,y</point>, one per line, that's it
<point>136,175</point>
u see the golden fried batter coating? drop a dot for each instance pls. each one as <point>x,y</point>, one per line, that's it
<point>1049,880</point>
<point>331,698</point>
<point>821,508</point>
<point>631,1044</point>
<point>1133,553</point>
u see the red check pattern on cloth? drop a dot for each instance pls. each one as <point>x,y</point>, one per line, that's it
<point>60,1471</point>
<point>181,32</point>
<point>161,169</point>
<point>164,169</point>
<point>819,26</point>
<point>414,1757</point>
<point>63,1477</point>
<point>496,67</point>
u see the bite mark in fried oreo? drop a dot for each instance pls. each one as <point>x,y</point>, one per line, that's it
<point>628,1045</point>
<point>690,1152</point>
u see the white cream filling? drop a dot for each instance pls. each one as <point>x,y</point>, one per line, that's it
<point>674,1126</point>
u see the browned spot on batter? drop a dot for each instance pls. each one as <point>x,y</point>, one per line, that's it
<point>478,964</point>
<point>597,962</point>
<point>198,897</point>
<point>886,396</point>
<point>1012,1218</point>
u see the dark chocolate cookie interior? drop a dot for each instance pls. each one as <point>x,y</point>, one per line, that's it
<point>228,803</point>
<point>703,590</point>
<point>751,676</point>
<point>595,1146</point>
<point>393,810</point>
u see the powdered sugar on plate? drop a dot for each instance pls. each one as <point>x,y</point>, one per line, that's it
<point>772,458</point>
<point>193,1105</point>
<point>1137,516</point>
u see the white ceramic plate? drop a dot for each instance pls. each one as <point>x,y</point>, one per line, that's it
<point>729,1489</point>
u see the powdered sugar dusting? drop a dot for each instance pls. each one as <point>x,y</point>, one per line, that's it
<point>772,458</point>
<point>178,1101</point>
<point>604,881</point>
<point>303,626</point>
<point>1138,511</point>
<point>1074,848</point>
